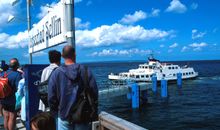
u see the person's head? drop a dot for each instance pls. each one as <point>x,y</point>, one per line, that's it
<point>54,56</point>
<point>5,67</point>
<point>14,63</point>
<point>69,53</point>
<point>43,121</point>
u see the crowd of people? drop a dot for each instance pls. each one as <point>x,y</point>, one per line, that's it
<point>70,89</point>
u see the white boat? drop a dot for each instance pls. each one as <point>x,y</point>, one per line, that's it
<point>145,72</point>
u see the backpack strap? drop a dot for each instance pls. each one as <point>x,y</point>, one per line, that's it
<point>6,74</point>
<point>46,81</point>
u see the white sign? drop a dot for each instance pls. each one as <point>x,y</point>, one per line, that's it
<point>50,31</point>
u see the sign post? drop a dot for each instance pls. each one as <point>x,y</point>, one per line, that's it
<point>32,79</point>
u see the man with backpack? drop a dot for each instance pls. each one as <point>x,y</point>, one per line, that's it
<point>55,59</point>
<point>72,94</point>
<point>8,84</point>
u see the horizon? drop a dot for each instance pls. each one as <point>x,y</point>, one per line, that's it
<point>174,30</point>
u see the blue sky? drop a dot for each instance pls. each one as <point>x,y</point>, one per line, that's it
<point>122,30</point>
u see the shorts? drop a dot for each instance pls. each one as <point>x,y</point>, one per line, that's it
<point>10,108</point>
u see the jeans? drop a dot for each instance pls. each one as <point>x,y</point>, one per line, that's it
<point>65,125</point>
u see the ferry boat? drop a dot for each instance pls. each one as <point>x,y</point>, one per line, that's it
<point>144,72</point>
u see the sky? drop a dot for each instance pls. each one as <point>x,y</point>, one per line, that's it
<point>121,30</point>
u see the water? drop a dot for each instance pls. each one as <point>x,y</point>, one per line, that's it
<point>195,106</point>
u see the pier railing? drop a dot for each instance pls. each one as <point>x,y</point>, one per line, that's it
<point>111,122</point>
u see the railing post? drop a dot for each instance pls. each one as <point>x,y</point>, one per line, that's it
<point>135,95</point>
<point>154,83</point>
<point>164,88</point>
<point>179,80</point>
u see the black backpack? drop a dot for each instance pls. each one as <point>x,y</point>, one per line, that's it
<point>86,107</point>
<point>43,89</point>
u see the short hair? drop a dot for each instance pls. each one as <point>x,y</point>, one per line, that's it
<point>54,56</point>
<point>44,121</point>
<point>68,52</point>
<point>15,64</point>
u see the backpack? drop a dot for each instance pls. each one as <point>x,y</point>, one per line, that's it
<point>5,88</point>
<point>85,109</point>
<point>43,89</point>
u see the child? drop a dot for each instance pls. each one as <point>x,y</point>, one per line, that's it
<point>43,121</point>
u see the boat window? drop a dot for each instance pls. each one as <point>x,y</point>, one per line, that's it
<point>160,71</point>
<point>176,67</point>
<point>173,68</point>
<point>186,73</point>
<point>174,74</point>
<point>142,76</point>
<point>169,68</point>
<point>137,76</point>
<point>147,76</point>
<point>183,73</point>
<point>145,67</point>
<point>150,67</point>
<point>164,75</point>
<point>192,73</point>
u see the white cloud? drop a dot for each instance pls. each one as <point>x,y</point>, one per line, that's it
<point>155,12</point>
<point>80,25</point>
<point>202,44</point>
<point>14,41</point>
<point>116,52</point>
<point>132,18</point>
<point>176,6</point>
<point>184,49</point>
<point>198,46</point>
<point>194,6</point>
<point>6,9</point>
<point>45,9</point>
<point>174,45</point>
<point>139,15</point>
<point>162,46</point>
<point>196,34</point>
<point>106,35</point>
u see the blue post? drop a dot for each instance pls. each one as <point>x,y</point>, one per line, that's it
<point>32,78</point>
<point>179,79</point>
<point>154,83</point>
<point>164,88</point>
<point>135,95</point>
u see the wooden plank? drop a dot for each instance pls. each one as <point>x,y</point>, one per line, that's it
<point>112,122</point>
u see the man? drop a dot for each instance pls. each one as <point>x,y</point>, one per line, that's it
<point>64,86</point>
<point>8,103</point>
<point>54,58</point>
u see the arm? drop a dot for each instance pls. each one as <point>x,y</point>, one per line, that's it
<point>52,94</point>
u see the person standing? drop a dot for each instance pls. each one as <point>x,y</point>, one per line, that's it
<point>8,103</point>
<point>55,59</point>
<point>64,87</point>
